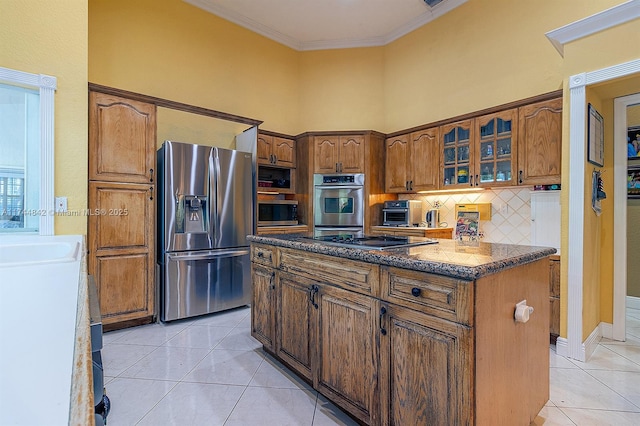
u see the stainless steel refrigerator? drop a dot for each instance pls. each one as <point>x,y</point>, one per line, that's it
<point>205,211</point>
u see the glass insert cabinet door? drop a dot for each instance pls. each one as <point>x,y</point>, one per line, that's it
<point>496,149</point>
<point>457,154</point>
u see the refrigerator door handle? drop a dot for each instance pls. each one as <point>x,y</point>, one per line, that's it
<point>208,255</point>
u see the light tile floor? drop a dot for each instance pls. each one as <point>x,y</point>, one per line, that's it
<point>210,371</point>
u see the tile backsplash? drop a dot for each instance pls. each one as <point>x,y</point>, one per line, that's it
<point>510,212</point>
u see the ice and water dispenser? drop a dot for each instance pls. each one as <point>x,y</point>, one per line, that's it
<point>192,214</point>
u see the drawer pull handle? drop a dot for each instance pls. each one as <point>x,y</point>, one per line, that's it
<point>260,254</point>
<point>312,295</point>
<point>416,291</point>
<point>383,311</point>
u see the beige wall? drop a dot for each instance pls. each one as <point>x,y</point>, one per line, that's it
<point>173,50</point>
<point>50,37</point>
<point>342,89</point>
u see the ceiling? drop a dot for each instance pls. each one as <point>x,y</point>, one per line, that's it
<point>329,24</point>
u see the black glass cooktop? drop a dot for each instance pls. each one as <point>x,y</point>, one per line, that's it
<point>373,242</point>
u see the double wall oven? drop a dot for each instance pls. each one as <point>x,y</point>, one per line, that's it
<point>338,205</point>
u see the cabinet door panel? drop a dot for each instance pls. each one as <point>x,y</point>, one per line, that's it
<point>263,305</point>
<point>325,154</point>
<point>295,329</point>
<point>396,170</point>
<point>351,154</point>
<point>425,370</point>
<point>284,151</point>
<point>121,218</point>
<point>117,126</point>
<point>124,286</point>
<point>496,149</point>
<point>540,145</point>
<point>424,160</point>
<point>456,154</point>
<point>346,338</point>
<point>264,149</point>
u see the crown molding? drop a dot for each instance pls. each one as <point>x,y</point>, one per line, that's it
<point>252,25</point>
<point>616,15</point>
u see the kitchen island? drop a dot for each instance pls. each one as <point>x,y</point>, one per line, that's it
<point>416,335</point>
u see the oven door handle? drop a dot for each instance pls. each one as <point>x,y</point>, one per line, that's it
<point>208,255</point>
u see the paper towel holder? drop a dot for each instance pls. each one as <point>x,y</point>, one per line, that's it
<point>523,312</point>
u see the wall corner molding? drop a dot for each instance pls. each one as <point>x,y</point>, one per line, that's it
<point>616,15</point>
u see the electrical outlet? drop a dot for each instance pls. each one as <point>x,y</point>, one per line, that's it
<point>504,209</point>
<point>61,204</point>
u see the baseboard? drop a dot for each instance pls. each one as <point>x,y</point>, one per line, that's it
<point>562,347</point>
<point>606,330</point>
<point>588,346</point>
<point>633,302</point>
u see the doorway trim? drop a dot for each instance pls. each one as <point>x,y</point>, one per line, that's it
<point>620,214</point>
<point>574,347</point>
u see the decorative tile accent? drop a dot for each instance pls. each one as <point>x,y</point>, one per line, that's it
<point>510,212</point>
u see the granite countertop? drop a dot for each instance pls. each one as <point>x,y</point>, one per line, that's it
<point>465,260</point>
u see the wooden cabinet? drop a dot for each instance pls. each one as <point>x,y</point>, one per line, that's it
<point>346,335</point>
<point>495,149</point>
<point>393,346</point>
<point>339,154</point>
<point>263,305</point>
<point>121,231</point>
<point>481,151</point>
<point>554,296</point>
<point>457,154</point>
<point>122,139</point>
<point>121,249</point>
<point>276,151</point>
<point>290,229</point>
<point>295,326</point>
<point>540,143</point>
<point>425,369</point>
<point>411,163</point>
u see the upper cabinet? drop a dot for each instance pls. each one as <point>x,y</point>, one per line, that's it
<point>339,154</point>
<point>517,146</point>
<point>457,154</point>
<point>119,126</point>
<point>276,151</point>
<point>495,149</point>
<point>412,162</point>
<point>540,143</point>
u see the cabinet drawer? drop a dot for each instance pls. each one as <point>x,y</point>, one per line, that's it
<point>444,297</point>
<point>349,274</point>
<point>265,255</point>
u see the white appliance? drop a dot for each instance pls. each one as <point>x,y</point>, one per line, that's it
<point>545,219</point>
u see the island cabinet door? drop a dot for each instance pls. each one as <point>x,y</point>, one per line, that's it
<point>295,328</point>
<point>425,369</point>
<point>346,357</point>
<point>263,305</point>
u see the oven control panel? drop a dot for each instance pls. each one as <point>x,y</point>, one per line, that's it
<point>337,180</point>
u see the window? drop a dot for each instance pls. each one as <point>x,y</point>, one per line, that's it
<point>26,152</point>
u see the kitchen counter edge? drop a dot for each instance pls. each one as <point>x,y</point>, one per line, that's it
<point>402,258</point>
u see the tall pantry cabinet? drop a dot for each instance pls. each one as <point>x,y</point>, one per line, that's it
<point>121,231</point>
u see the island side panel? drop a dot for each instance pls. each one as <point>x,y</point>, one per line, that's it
<point>512,358</point>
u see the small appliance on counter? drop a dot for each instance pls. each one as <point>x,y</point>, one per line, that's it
<point>402,213</point>
<point>433,218</point>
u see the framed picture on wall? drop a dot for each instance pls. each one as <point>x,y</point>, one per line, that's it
<point>595,138</point>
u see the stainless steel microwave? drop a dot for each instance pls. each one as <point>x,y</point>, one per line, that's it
<point>277,212</point>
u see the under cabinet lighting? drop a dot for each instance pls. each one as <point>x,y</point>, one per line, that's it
<point>446,191</point>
